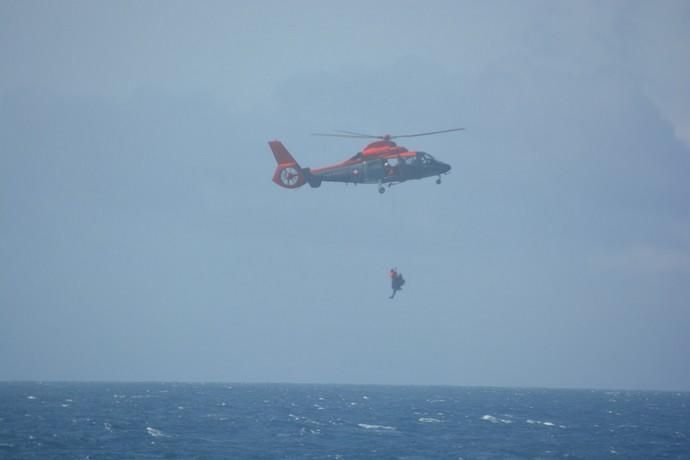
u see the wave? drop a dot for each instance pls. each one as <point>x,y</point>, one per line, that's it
<point>156,433</point>
<point>539,422</point>
<point>376,427</point>
<point>492,419</point>
<point>428,420</point>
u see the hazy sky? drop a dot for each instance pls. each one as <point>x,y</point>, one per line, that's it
<point>141,237</point>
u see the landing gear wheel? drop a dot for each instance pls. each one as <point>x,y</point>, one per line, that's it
<point>438,181</point>
<point>381,189</point>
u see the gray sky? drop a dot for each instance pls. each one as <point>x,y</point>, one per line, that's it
<point>141,237</point>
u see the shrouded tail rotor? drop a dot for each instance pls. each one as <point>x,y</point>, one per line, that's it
<point>288,173</point>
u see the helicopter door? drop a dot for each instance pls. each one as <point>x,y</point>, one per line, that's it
<point>374,171</point>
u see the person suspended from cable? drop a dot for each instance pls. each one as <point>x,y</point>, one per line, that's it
<point>397,281</point>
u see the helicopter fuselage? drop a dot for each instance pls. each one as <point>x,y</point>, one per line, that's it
<point>381,162</point>
<point>384,169</point>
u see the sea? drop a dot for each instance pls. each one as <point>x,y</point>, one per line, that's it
<point>290,421</point>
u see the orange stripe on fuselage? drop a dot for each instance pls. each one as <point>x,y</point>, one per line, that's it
<point>376,151</point>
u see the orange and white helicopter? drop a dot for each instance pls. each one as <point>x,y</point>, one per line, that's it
<point>381,162</point>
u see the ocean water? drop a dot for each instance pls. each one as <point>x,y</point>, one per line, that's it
<point>257,421</point>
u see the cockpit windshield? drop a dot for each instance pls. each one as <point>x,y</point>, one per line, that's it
<point>425,158</point>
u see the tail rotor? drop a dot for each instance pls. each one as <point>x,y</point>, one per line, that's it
<point>288,173</point>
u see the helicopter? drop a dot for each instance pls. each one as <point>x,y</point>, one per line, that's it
<point>380,162</point>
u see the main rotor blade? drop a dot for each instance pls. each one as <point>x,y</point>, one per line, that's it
<point>355,136</point>
<point>428,134</point>
<point>372,136</point>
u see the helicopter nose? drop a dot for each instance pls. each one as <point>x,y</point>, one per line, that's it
<point>445,167</point>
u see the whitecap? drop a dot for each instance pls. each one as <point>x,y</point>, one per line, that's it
<point>376,427</point>
<point>539,422</point>
<point>428,420</point>
<point>107,426</point>
<point>156,433</point>
<point>31,397</point>
<point>492,419</point>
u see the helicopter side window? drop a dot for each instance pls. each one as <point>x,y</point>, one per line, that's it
<point>391,166</point>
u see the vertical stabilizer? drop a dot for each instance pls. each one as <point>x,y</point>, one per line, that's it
<point>288,173</point>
